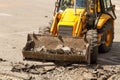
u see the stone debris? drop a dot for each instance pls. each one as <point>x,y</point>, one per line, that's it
<point>2,60</point>
<point>41,49</point>
<point>60,49</point>
<point>13,47</point>
<point>115,77</point>
<point>79,73</point>
<point>33,69</point>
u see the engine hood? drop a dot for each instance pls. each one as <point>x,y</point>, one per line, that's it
<point>68,17</point>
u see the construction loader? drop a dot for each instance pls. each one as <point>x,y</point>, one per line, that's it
<point>79,31</point>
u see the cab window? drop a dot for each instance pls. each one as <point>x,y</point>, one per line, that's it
<point>66,4</point>
<point>107,5</point>
<point>81,3</point>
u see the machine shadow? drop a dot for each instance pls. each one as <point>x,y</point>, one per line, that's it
<point>112,57</point>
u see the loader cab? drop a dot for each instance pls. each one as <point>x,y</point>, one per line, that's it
<point>69,12</point>
<point>108,8</point>
<point>78,4</point>
<point>101,6</point>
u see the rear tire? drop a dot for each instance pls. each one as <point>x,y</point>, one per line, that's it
<point>92,39</point>
<point>107,38</point>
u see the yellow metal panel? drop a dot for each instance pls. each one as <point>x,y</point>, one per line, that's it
<point>66,23</point>
<point>102,20</point>
<point>99,9</point>
<point>53,29</point>
<point>69,18</point>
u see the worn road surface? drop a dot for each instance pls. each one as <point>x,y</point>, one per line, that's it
<point>20,17</point>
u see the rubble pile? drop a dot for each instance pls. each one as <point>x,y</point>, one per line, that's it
<point>60,49</point>
<point>31,68</point>
<point>82,73</point>
<point>71,72</point>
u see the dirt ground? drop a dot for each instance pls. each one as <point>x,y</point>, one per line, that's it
<point>20,17</point>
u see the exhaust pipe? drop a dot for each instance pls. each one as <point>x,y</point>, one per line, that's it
<point>74,7</point>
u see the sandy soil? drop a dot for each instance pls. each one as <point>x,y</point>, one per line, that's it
<point>20,17</point>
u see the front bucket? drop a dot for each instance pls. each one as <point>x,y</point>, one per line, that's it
<point>59,48</point>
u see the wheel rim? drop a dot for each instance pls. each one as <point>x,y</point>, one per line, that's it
<point>108,38</point>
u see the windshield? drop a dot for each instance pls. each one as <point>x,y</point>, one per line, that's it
<point>81,3</point>
<point>70,4</point>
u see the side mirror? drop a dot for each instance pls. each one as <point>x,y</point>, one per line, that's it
<point>113,7</point>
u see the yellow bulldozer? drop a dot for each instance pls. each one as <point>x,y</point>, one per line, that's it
<point>79,31</point>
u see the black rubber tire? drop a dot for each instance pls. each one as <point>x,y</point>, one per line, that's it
<point>92,39</point>
<point>103,48</point>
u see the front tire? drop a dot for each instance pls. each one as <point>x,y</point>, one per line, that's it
<point>92,39</point>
